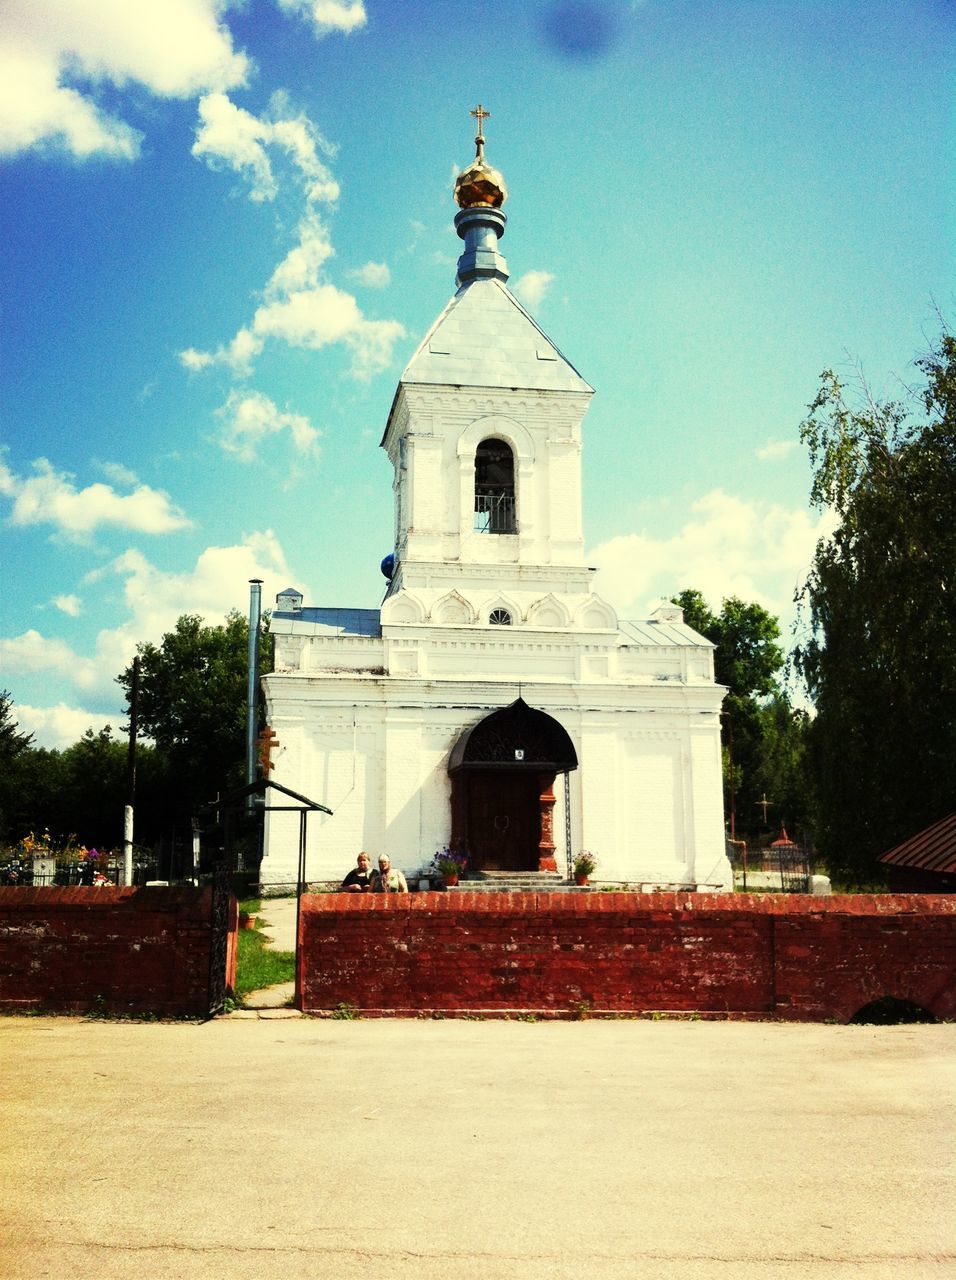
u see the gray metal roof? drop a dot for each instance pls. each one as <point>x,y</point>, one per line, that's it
<point>485,338</point>
<point>347,622</point>
<point>663,633</point>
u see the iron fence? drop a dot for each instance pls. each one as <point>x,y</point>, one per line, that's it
<point>780,869</point>
<point>15,873</point>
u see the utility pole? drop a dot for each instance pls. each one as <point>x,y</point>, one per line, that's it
<point>252,685</point>
<point>131,777</point>
<point>730,773</point>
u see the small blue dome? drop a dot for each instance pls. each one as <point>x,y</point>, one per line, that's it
<point>388,565</point>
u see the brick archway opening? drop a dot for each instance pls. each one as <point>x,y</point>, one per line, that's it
<point>890,1011</point>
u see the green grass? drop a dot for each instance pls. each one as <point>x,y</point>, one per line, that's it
<point>256,967</point>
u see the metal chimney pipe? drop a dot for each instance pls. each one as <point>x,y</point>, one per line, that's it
<point>255,615</point>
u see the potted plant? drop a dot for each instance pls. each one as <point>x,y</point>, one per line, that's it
<point>449,864</point>
<point>247,920</point>
<point>584,865</point>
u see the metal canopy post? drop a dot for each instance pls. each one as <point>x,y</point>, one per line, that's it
<point>567,823</point>
<point>303,817</point>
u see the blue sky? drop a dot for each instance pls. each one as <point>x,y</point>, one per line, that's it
<point>226,227</point>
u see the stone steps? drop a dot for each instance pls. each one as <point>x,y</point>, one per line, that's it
<point>516,882</point>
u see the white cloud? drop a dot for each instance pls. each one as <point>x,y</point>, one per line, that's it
<point>60,726</point>
<point>217,583</point>
<point>322,315</point>
<point>302,141</point>
<point>50,497</point>
<point>71,605</point>
<point>374,275</point>
<point>532,287</point>
<point>232,137</point>
<point>31,652</point>
<point>54,56</point>
<point>36,111</point>
<point>301,266</point>
<point>728,546</point>
<point>371,343</point>
<point>328,16</point>
<point>775,450</point>
<point>117,472</point>
<point>248,419</point>
<point>154,599</point>
<point>309,317</point>
<point>312,318</point>
<point>298,306</point>
<point>196,360</point>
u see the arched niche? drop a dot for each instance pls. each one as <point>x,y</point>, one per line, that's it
<point>453,608</point>
<point>596,615</point>
<point>403,607</point>
<point>548,612</point>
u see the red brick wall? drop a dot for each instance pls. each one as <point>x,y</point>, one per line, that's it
<point>746,955</point>
<point>120,950</point>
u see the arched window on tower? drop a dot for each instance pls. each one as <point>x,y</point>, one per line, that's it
<point>495,488</point>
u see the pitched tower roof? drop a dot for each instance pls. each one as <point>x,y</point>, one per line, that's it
<point>484,337</point>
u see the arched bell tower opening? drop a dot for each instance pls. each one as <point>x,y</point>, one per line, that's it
<point>502,788</point>
<point>495,508</point>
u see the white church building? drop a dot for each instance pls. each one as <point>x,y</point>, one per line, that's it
<point>494,702</point>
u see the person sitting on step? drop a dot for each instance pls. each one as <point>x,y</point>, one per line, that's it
<point>387,879</point>
<point>359,879</point>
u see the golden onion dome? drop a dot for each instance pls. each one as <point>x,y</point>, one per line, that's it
<point>480,184</point>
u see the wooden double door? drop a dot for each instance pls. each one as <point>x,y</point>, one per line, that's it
<point>500,818</point>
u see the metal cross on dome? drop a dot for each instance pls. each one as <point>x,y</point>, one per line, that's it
<point>481,115</point>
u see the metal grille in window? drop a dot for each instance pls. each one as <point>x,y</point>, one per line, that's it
<point>495,487</point>
<point>500,618</point>
<point>494,511</point>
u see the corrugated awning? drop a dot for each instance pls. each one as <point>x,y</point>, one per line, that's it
<point>933,849</point>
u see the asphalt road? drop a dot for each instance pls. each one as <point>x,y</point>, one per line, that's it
<point>456,1149</point>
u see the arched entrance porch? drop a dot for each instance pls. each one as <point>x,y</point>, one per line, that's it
<point>502,788</point>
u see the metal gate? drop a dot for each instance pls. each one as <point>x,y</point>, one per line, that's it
<point>251,798</point>
<point>218,936</point>
<point>793,867</point>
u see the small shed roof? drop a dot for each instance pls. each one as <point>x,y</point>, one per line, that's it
<point>340,622</point>
<point>933,849</point>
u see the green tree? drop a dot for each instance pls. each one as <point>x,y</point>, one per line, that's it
<point>879,658</point>
<point>760,732</point>
<point>93,790</point>
<point>12,742</point>
<point>14,745</point>
<point>192,704</point>
<point>781,771</point>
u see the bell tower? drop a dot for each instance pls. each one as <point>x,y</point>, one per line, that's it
<point>484,433</point>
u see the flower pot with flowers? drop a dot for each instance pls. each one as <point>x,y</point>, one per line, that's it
<point>450,864</point>
<point>584,865</point>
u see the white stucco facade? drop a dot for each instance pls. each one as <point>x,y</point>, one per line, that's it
<point>368,704</point>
